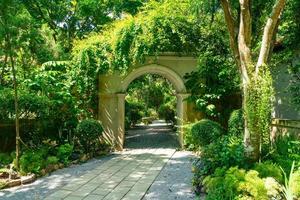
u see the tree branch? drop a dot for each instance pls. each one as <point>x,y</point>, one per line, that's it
<point>244,38</point>
<point>269,32</point>
<point>231,29</point>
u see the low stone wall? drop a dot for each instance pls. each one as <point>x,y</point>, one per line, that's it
<point>284,126</point>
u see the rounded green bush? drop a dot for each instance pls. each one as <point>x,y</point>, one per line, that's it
<point>268,169</point>
<point>32,161</point>
<point>204,132</point>
<point>88,132</point>
<point>236,123</point>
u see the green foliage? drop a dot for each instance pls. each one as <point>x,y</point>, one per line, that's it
<point>188,139</point>
<point>134,111</point>
<point>32,161</point>
<point>30,105</point>
<point>268,169</point>
<point>52,160</point>
<point>226,152</point>
<point>236,123</point>
<point>167,112</point>
<point>5,159</point>
<point>217,78</point>
<point>88,133</point>
<point>64,152</point>
<point>291,184</point>
<point>294,85</point>
<point>295,183</point>
<point>52,81</point>
<point>148,96</point>
<point>258,107</point>
<point>286,151</point>
<point>161,27</point>
<point>205,132</point>
<point>235,183</point>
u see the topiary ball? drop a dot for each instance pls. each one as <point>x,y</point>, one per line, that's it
<point>205,131</point>
<point>88,132</point>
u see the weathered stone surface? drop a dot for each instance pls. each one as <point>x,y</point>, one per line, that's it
<point>28,179</point>
<point>13,183</point>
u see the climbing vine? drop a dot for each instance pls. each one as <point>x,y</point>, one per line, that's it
<point>160,27</point>
<point>258,107</point>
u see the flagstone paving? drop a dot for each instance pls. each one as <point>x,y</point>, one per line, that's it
<point>139,172</point>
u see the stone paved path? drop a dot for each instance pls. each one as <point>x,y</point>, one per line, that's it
<point>150,168</point>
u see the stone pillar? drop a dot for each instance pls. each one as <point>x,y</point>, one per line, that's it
<point>120,135</point>
<point>181,114</point>
<point>111,114</point>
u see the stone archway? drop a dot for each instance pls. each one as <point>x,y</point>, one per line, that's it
<point>113,91</point>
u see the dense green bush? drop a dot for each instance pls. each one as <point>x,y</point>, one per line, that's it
<point>226,152</point>
<point>64,152</point>
<point>286,151</point>
<point>205,132</point>
<point>32,161</point>
<point>30,105</point>
<point>235,183</point>
<point>188,142</point>
<point>167,112</point>
<point>268,169</point>
<point>5,159</point>
<point>133,112</point>
<point>236,123</point>
<point>52,160</point>
<point>88,133</point>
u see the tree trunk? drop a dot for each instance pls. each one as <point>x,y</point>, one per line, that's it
<point>16,111</point>
<point>241,48</point>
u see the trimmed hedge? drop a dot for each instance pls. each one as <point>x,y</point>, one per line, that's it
<point>204,132</point>
<point>88,133</point>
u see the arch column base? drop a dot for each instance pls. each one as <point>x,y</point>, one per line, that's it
<point>111,114</point>
<point>181,116</point>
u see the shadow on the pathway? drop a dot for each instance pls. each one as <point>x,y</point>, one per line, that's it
<point>157,135</point>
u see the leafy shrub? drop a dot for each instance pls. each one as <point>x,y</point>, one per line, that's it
<point>287,150</point>
<point>236,123</point>
<point>5,159</point>
<point>268,169</point>
<point>188,142</point>
<point>64,152</point>
<point>133,112</point>
<point>51,160</point>
<point>290,188</point>
<point>204,132</point>
<point>32,161</point>
<point>226,151</point>
<point>29,104</point>
<point>166,112</point>
<point>88,132</point>
<point>235,183</point>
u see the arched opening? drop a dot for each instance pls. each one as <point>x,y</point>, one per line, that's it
<point>150,113</point>
<point>179,88</point>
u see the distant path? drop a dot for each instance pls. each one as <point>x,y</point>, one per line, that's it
<point>149,168</point>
